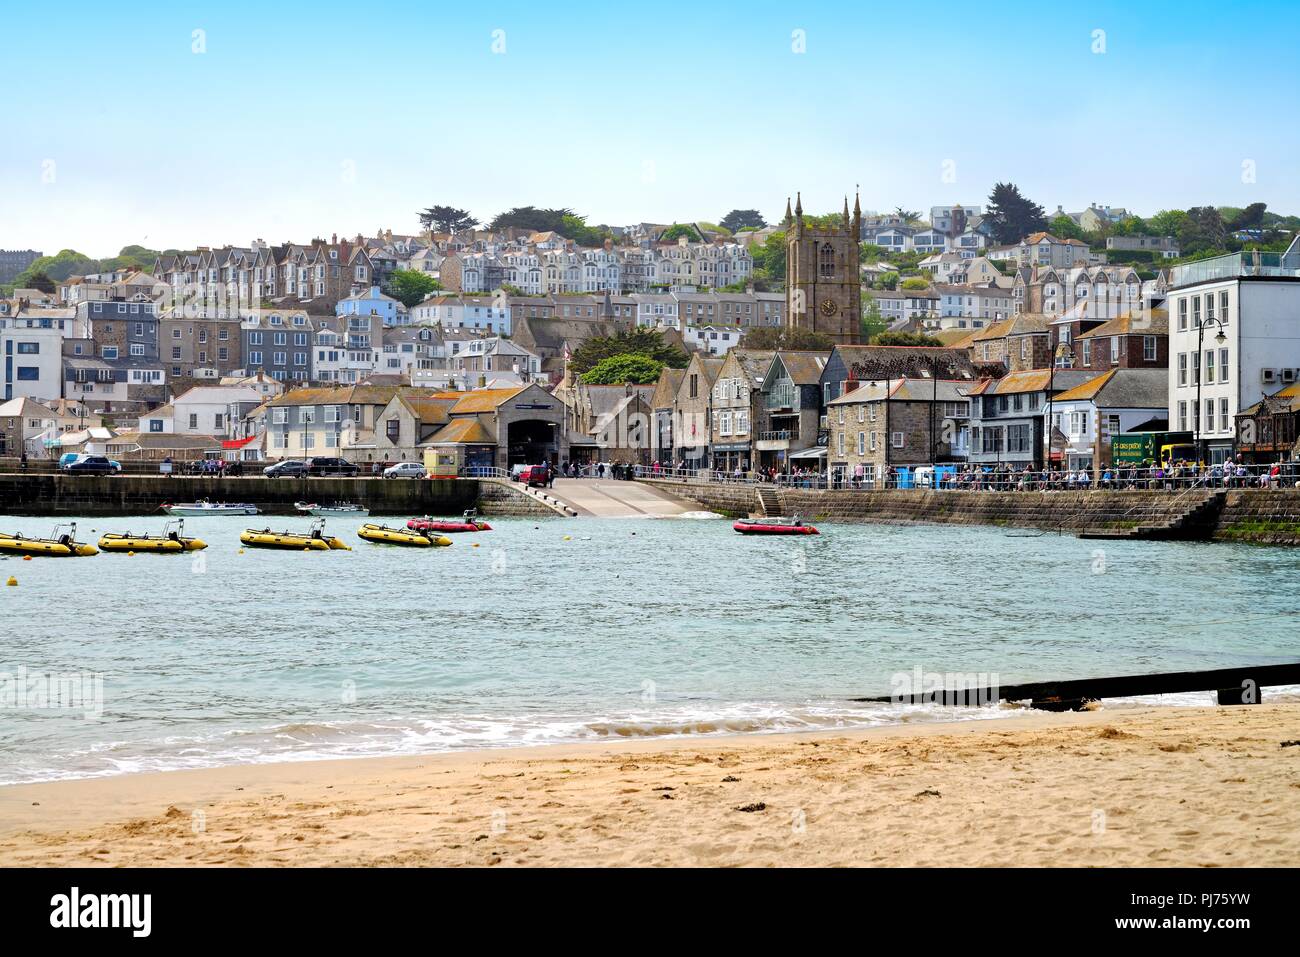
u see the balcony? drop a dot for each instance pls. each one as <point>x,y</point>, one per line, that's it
<point>1234,265</point>
<point>784,395</point>
<point>774,441</point>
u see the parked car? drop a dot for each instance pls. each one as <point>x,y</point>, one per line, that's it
<point>537,476</point>
<point>288,468</point>
<point>322,465</point>
<point>405,470</point>
<point>93,465</point>
<point>516,471</point>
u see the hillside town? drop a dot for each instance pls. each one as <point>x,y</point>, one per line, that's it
<point>853,347</point>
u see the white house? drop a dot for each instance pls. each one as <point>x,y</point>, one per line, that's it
<point>1234,337</point>
<point>1090,415</point>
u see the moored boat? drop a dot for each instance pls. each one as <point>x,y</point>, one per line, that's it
<point>344,509</point>
<point>209,508</point>
<point>382,534</point>
<point>60,544</point>
<point>774,526</point>
<point>314,540</point>
<point>171,540</point>
<point>469,522</point>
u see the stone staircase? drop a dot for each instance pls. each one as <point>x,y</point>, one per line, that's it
<point>1192,514</point>
<point>770,504</point>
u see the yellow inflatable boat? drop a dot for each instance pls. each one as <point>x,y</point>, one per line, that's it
<point>400,536</point>
<point>171,541</point>
<point>60,544</point>
<point>313,541</point>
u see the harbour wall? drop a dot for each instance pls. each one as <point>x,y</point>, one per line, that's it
<point>92,495</point>
<point>1262,516</point>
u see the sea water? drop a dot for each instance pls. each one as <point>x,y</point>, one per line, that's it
<point>586,629</point>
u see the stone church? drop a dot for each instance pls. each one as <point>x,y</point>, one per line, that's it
<point>823,288</point>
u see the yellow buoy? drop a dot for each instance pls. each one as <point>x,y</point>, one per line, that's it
<point>476,544</point>
<point>27,558</point>
<point>241,551</point>
<point>129,554</point>
<point>12,581</point>
<point>568,538</point>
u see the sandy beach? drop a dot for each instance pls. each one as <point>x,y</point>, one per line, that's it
<point>1151,786</point>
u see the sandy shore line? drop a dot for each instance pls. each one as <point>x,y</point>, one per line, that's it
<point>1155,786</point>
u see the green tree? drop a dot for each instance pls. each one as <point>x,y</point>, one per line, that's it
<point>769,259</point>
<point>915,282</point>
<point>873,323</point>
<point>530,217</point>
<point>1202,231</point>
<point>1063,227</point>
<point>794,339</point>
<point>739,219</point>
<point>1167,222</point>
<point>908,215</point>
<point>672,233</point>
<point>1012,216</point>
<point>621,369</point>
<point>68,262</point>
<point>640,341</point>
<point>446,219</point>
<point>410,287</point>
<point>888,280</point>
<point>38,280</point>
<point>904,339</point>
<point>1252,217</point>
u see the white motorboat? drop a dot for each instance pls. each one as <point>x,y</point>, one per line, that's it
<point>342,509</point>
<point>210,508</point>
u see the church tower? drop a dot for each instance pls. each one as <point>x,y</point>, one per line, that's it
<point>823,283</point>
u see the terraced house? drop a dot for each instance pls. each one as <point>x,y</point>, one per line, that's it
<point>738,408</point>
<point>279,344</point>
<point>336,421</point>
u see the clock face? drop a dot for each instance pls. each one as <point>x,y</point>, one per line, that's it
<point>829,308</point>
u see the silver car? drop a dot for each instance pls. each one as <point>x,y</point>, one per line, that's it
<point>405,470</point>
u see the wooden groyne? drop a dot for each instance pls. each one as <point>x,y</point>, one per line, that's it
<point>1232,685</point>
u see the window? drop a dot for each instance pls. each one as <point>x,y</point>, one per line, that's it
<point>1223,307</point>
<point>862,413</point>
<point>307,415</point>
<point>1182,370</point>
<point>839,442</point>
<point>279,416</point>
<point>1182,416</point>
<point>1149,348</point>
<point>1223,365</point>
<point>873,441</point>
<point>1182,313</point>
<point>255,358</point>
<point>176,352</point>
<point>332,413</point>
<point>29,374</point>
<point>826,261</point>
<point>29,348</point>
<point>1087,352</point>
<point>194,420</point>
<point>1209,415</point>
<point>155,425</point>
<point>898,440</point>
<point>1224,425</point>
<point>1209,365</point>
<point>1196,312</point>
<point>1114,350</point>
<point>110,352</point>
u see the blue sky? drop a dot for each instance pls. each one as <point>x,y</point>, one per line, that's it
<point>305,119</point>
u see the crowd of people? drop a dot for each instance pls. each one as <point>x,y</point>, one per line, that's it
<point>1007,478</point>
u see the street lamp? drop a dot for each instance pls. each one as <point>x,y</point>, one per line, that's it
<point>1062,351</point>
<point>1197,415</point>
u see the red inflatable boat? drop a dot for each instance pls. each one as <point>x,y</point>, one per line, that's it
<point>774,526</point>
<point>447,525</point>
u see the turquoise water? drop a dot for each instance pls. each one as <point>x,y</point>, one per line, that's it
<point>632,627</point>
